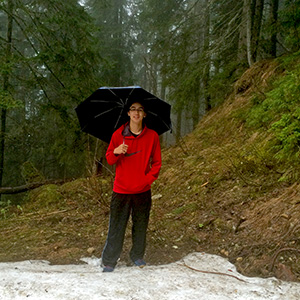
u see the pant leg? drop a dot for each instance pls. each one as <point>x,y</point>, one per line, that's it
<point>119,214</point>
<point>141,205</point>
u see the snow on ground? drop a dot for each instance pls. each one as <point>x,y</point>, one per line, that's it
<point>40,280</point>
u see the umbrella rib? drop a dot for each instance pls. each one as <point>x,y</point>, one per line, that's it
<point>116,96</point>
<point>129,96</point>
<point>158,116</point>
<point>122,102</point>
<point>105,112</point>
<point>116,124</point>
<point>95,117</point>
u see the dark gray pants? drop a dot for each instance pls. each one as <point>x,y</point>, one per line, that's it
<point>122,205</point>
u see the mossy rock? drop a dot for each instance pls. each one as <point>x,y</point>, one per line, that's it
<point>45,196</point>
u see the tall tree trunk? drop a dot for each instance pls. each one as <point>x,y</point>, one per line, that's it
<point>254,12</point>
<point>257,13</point>
<point>154,79</point>
<point>247,4</point>
<point>163,89</point>
<point>8,53</point>
<point>206,72</point>
<point>178,125</point>
<point>273,24</point>
<point>119,38</point>
<point>242,45</point>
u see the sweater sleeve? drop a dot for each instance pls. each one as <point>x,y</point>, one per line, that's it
<point>156,162</point>
<point>110,156</point>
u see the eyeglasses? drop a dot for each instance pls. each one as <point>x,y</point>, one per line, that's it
<point>139,110</point>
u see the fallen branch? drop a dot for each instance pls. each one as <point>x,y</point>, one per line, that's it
<point>29,186</point>
<point>211,272</point>
<point>38,216</point>
<point>42,216</point>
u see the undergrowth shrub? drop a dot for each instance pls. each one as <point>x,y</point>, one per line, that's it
<point>279,113</point>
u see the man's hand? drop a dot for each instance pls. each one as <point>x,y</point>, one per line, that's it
<point>122,149</point>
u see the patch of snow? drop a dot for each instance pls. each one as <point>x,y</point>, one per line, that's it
<point>218,279</point>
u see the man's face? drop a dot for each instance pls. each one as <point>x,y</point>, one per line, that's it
<point>136,112</point>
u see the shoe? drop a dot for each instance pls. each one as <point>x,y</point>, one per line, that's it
<point>107,269</point>
<point>140,263</point>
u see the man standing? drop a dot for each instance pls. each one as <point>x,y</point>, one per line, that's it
<point>135,149</point>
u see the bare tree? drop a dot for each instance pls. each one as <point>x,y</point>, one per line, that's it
<point>8,54</point>
<point>254,13</point>
<point>206,52</point>
<point>243,33</point>
<point>273,24</point>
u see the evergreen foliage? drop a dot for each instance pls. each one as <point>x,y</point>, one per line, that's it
<point>290,25</point>
<point>188,52</point>
<point>279,112</point>
<point>54,65</point>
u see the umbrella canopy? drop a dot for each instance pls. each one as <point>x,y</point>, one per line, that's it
<point>106,110</point>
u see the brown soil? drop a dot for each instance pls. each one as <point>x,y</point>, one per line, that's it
<point>217,192</point>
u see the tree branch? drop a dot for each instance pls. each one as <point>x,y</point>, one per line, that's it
<point>29,186</point>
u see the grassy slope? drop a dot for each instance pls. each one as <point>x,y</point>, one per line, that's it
<point>218,192</point>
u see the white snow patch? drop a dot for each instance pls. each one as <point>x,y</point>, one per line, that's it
<point>40,280</point>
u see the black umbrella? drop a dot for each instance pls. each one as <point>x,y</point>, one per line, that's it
<point>106,110</point>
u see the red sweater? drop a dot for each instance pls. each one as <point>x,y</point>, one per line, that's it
<point>140,166</point>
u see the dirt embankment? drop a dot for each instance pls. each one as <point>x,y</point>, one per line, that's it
<point>217,192</point>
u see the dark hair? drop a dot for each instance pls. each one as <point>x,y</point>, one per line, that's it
<point>135,101</point>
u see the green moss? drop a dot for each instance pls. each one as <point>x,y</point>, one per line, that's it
<point>45,196</point>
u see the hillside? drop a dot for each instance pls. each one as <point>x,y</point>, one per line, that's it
<point>219,191</point>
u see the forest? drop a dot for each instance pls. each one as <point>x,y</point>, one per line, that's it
<point>54,54</point>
